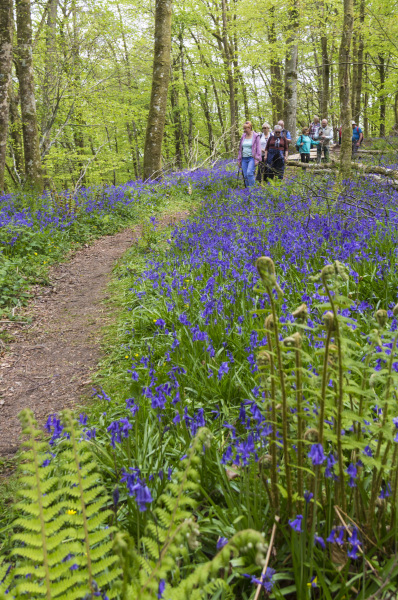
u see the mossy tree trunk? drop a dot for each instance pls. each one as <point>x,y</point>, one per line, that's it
<point>345,88</point>
<point>5,79</point>
<point>50,61</point>
<point>160,85</point>
<point>291,69</point>
<point>30,132</point>
<point>276,72</point>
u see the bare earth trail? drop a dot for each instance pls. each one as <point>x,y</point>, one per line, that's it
<point>49,364</point>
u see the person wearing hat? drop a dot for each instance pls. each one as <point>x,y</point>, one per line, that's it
<point>357,137</point>
<point>262,171</point>
<point>325,136</point>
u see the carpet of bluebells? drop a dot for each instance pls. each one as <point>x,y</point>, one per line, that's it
<point>187,356</point>
<point>34,232</point>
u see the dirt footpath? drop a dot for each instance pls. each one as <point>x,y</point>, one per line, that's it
<point>50,362</point>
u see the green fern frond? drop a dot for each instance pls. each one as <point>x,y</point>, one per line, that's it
<point>63,547</point>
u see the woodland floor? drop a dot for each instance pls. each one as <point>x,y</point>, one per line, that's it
<point>48,365</point>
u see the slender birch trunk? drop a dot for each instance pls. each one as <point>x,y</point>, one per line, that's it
<point>30,132</point>
<point>345,88</point>
<point>6,34</point>
<point>160,84</point>
<point>382,97</point>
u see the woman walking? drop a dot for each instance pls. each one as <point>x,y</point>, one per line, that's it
<point>262,171</point>
<point>249,154</point>
<point>276,153</point>
<point>304,144</point>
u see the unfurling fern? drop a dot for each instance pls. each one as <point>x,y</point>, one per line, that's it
<point>170,537</point>
<point>63,546</point>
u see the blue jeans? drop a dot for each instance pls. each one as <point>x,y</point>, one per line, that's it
<point>249,169</point>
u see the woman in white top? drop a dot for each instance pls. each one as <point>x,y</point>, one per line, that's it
<point>249,154</point>
<point>262,171</point>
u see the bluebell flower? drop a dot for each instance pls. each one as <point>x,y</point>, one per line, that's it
<point>316,454</point>
<point>385,491</point>
<point>115,496</point>
<point>329,471</point>
<point>224,368</point>
<point>320,541</point>
<point>295,523</point>
<point>161,588</point>
<point>221,542</point>
<point>53,425</point>
<point>352,472</point>
<point>83,419</point>
<point>308,496</point>
<point>368,451</point>
<point>266,580</point>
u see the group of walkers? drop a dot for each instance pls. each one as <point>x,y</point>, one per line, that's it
<point>270,149</point>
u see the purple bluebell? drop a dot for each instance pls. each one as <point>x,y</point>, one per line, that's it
<point>295,523</point>
<point>221,542</point>
<point>316,454</point>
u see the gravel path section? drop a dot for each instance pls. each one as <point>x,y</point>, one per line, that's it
<point>49,364</point>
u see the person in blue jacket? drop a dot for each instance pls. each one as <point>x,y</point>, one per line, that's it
<point>304,144</point>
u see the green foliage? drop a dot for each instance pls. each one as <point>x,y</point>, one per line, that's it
<point>172,536</point>
<point>62,546</point>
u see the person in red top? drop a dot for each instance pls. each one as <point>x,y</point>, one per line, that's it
<point>276,153</point>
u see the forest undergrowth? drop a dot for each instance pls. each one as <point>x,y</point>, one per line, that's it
<point>243,430</point>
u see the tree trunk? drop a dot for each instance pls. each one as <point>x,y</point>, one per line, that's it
<point>276,74</point>
<point>135,152</point>
<point>49,63</point>
<point>16,143</point>
<point>176,115</point>
<point>78,136</point>
<point>291,70</point>
<point>188,97</point>
<point>6,35</point>
<point>354,67</point>
<point>325,77</point>
<point>365,104</point>
<point>133,155</point>
<point>382,95</point>
<point>230,76</point>
<point>160,84</point>
<point>345,89</point>
<point>27,94</point>
<point>244,93</point>
<point>358,89</point>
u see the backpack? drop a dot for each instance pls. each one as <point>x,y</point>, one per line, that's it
<point>299,140</point>
<point>359,135</point>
